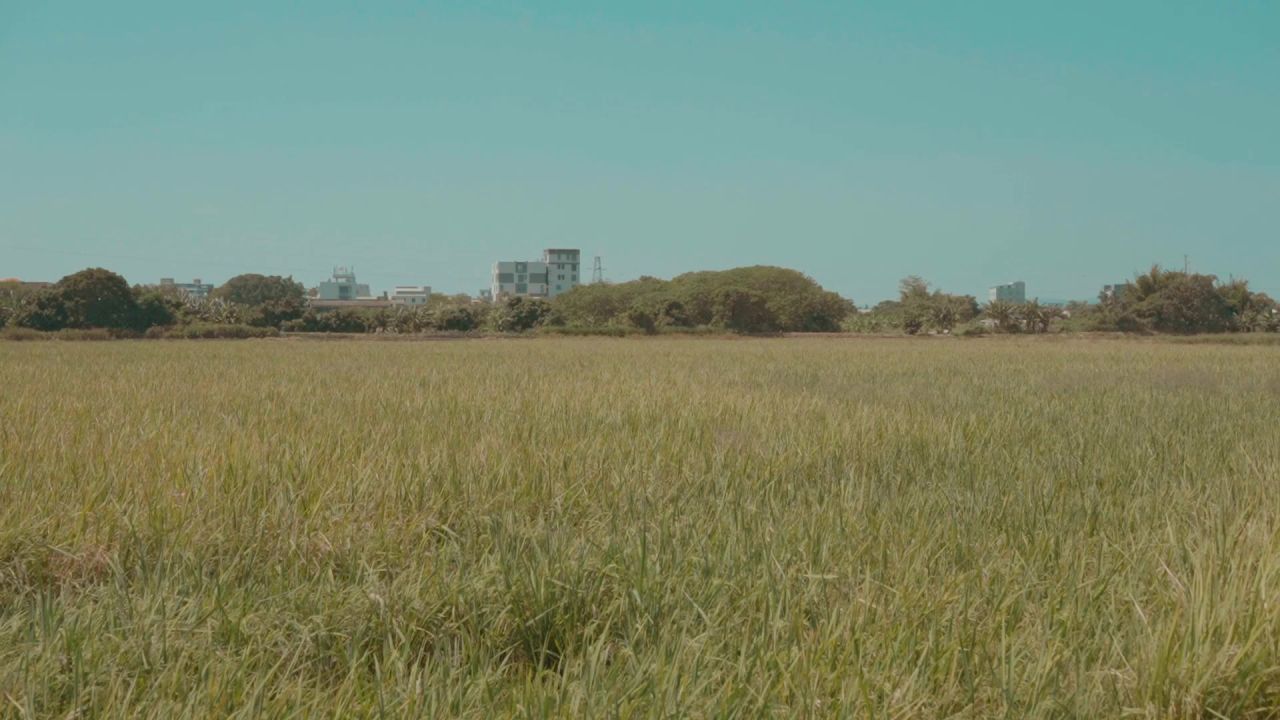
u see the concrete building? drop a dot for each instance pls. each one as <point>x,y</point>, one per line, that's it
<point>558,272</point>
<point>410,295</point>
<point>343,286</point>
<point>194,289</point>
<point>1116,291</point>
<point>563,269</point>
<point>1014,292</point>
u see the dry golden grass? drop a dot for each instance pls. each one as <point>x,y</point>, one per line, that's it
<point>874,528</point>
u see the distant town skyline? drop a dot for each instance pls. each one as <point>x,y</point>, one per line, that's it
<point>442,284</point>
<point>1068,146</point>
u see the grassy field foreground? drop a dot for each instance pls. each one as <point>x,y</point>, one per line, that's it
<point>877,528</point>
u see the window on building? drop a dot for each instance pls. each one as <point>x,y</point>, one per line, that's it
<point>522,288</point>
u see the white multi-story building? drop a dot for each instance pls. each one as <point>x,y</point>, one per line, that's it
<point>343,286</point>
<point>194,289</point>
<point>410,295</point>
<point>1014,292</point>
<point>558,272</point>
<point>1116,291</point>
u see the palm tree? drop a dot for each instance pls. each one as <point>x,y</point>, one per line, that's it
<point>1036,317</point>
<point>1003,314</point>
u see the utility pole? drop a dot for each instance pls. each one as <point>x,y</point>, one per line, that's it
<point>1186,264</point>
<point>597,272</point>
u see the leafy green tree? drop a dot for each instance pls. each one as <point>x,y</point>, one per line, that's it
<point>643,316</point>
<point>97,298</point>
<point>917,308</point>
<point>794,301</point>
<point>274,313</point>
<point>518,314</point>
<point>156,309</point>
<point>43,310</point>
<point>92,298</point>
<point>598,305</point>
<point>457,318</point>
<point>1247,311</point>
<point>1176,302</point>
<point>1261,314</point>
<point>253,290</point>
<point>1170,301</point>
<point>742,311</point>
<point>652,314</point>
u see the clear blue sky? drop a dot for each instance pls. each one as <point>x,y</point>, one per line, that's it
<point>1068,144</point>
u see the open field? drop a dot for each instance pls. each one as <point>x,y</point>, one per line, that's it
<point>589,527</point>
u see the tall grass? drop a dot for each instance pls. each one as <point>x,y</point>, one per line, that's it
<point>663,527</point>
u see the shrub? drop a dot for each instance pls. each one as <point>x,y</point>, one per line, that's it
<point>23,333</point>
<point>274,313</point>
<point>792,301</point>
<point>519,314</point>
<point>154,309</point>
<point>253,290</point>
<point>587,331</point>
<point>85,334</point>
<point>742,311</point>
<point>642,317</point>
<point>458,318</point>
<point>336,321</point>
<point>202,331</point>
<point>43,310</point>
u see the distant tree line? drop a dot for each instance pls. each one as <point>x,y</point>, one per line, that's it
<point>1158,301</point>
<point>756,299</point>
<point>1170,301</point>
<point>743,300</point>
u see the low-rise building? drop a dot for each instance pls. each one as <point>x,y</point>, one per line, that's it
<point>195,289</point>
<point>410,295</point>
<point>1014,292</point>
<point>343,286</point>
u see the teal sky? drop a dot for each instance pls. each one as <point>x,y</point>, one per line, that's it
<point>1067,144</point>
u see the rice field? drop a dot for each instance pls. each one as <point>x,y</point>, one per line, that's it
<point>872,528</point>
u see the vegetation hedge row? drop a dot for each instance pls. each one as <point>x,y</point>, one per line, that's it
<point>752,300</point>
